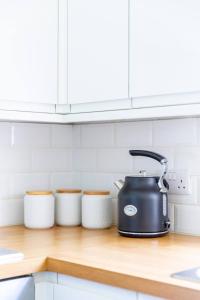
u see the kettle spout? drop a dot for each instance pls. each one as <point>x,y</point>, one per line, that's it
<point>119,184</point>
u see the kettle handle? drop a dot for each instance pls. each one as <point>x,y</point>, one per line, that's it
<point>161,159</point>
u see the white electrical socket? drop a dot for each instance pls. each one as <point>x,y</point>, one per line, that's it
<point>179,182</point>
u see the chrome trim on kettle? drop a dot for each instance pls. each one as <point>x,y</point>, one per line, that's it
<point>150,234</point>
<point>161,185</point>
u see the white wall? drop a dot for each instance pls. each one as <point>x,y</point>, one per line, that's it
<point>32,156</point>
<point>101,156</point>
<point>93,156</point>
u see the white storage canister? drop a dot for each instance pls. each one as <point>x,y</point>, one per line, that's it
<point>39,209</point>
<point>68,207</point>
<point>96,209</point>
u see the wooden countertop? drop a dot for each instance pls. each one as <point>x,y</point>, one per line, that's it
<point>143,265</point>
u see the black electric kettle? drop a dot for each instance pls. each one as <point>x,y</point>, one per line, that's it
<point>143,202</point>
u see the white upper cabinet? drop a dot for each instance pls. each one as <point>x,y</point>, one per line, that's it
<point>97,50</point>
<point>28,51</point>
<point>165,47</point>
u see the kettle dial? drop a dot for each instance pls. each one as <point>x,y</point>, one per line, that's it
<point>130,210</point>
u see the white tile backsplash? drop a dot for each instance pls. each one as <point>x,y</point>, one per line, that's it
<point>198,130</point>
<point>76,136</point>
<point>11,212</point>
<point>102,163</point>
<point>186,219</point>
<point>188,158</point>
<point>175,132</point>
<point>61,136</point>
<point>4,185</point>
<point>93,156</point>
<point>84,160</point>
<point>22,182</point>
<point>113,160</point>
<point>31,135</point>
<point>32,157</point>
<point>102,135</point>
<point>52,160</point>
<point>15,160</point>
<point>65,180</point>
<point>96,181</point>
<point>133,134</point>
<point>5,134</point>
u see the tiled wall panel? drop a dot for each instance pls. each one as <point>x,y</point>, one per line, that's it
<point>93,156</point>
<point>32,157</point>
<point>101,157</point>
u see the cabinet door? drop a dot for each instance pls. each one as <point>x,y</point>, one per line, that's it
<point>98,50</point>
<point>65,292</point>
<point>99,292</point>
<point>28,51</point>
<point>17,289</point>
<point>165,47</point>
<point>74,288</point>
<point>44,291</point>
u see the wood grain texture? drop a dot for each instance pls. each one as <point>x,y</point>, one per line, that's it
<point>144,265</point>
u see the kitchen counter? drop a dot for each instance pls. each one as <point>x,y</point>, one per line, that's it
<point>142,265</point>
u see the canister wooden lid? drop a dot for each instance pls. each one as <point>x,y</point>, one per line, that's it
<point>96,193</point>
<point>68,191</point>
<point>39,193</point>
